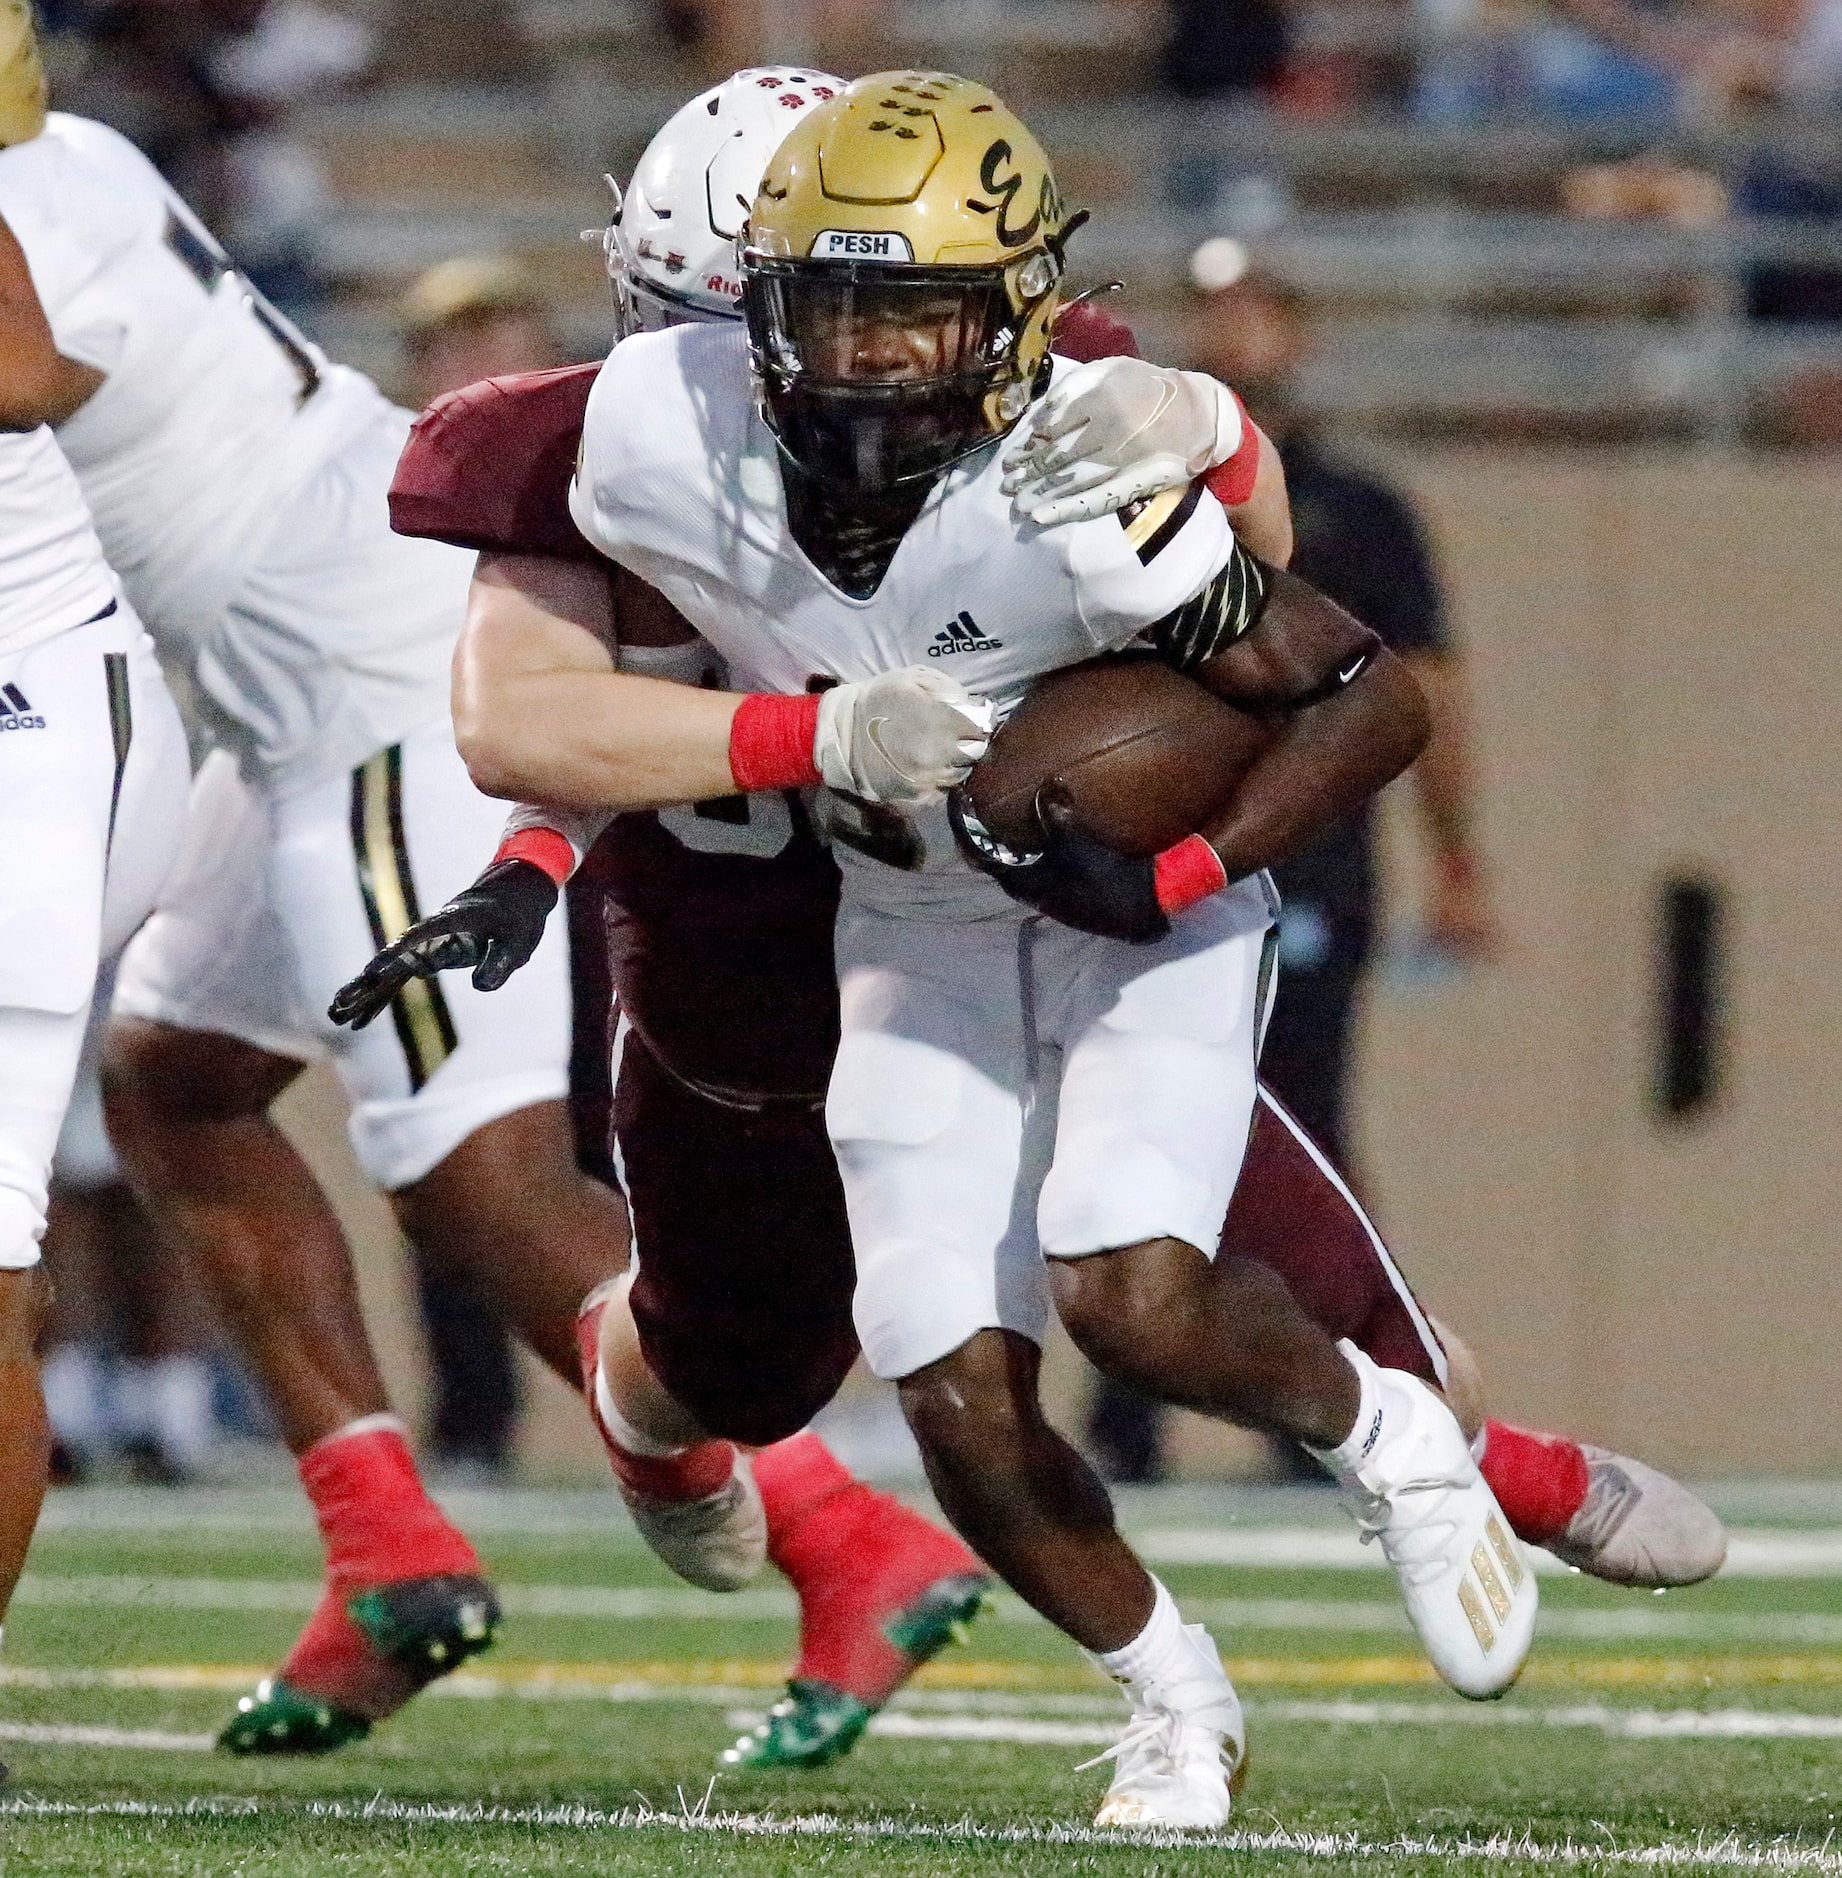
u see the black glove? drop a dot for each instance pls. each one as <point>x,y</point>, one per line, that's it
<point>1071,876</point>
<point>494,926</point>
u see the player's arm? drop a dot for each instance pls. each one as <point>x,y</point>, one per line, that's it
<point>542,714</point>
<point>38,385</point>
<point>1350,719</point>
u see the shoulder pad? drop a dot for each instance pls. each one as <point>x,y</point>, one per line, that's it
<point>488,466</point>
<point>1086,331</point>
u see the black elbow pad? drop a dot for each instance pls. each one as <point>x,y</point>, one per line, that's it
<point>1228,607</point>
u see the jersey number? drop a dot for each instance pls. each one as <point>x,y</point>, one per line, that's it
<point>753,825</point>
<point>208,264</point>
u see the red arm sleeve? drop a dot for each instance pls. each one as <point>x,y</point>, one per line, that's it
<point>488,466</point>
<point>1087,331</point>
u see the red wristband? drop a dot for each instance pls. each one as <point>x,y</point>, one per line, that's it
<point>770,742</point>
<point>542,847</point>
<point>1232,483</point>
<point>1189,872</point>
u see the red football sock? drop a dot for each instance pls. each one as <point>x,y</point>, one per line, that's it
<point>377,1519</point>
<point>379,1526</point>
<point>694,1474</point>
<point>856,1557</point>
<point>1540,1480</point>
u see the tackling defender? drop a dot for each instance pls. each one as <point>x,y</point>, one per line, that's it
<point>782,542</point>
<point>481,924</point>
<point>241,480</point>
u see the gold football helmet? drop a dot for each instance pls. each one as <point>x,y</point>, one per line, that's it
<point>22,79</point>
<point>900,271</point>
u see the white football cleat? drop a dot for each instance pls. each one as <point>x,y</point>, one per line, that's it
<point>1636,1526</point>
<point>718,1542</point>
<point>1184,1753</point>
<point>1469,1590</point>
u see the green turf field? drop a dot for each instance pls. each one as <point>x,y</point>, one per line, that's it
<point>1703,1729</point>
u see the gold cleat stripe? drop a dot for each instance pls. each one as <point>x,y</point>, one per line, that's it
<point>1493,1585</point>
<point>1473,1607</point>
<point>1505,1548</point>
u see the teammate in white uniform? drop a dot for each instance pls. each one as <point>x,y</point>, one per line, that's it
<point>93,773</point>
<point>1006,1087</point>
<point>240,481</point>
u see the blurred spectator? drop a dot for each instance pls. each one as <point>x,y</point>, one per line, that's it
<point>127,1368</point>
<point>477,316</point>
<point>208,89</point>
<point>1358,541</point>
<point>1224,48</point>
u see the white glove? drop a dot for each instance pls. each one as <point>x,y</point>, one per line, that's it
<point>904,736</point>
<point>1115,431</point>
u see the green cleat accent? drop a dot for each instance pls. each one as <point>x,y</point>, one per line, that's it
<point>429,1625</point>
<point>942,1614</point>
<point>812,1724</point>
<point>419,1629</point>
<point>280,1719</point>
<point>816,1723</point>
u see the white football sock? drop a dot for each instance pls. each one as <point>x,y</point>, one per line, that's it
<point>1163,1656</point>
<point>635,1441</point>
<point>1365,1433</point>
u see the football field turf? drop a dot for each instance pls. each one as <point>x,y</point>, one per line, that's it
<point>1701,1730</point>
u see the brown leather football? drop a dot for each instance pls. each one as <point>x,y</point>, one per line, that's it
<point>1146,755</point>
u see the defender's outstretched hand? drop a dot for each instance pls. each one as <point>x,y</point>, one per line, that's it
<point>494,926</point>
<point>1113,432</point>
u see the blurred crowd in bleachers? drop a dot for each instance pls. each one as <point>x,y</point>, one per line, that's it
<point>1574,218</point>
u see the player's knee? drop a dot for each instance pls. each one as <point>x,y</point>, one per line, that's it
<point>157,1077</point>
<point>1122,1307</point>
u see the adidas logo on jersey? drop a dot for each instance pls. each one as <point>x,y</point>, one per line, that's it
<point>962,636</point>
<point>15,712</point>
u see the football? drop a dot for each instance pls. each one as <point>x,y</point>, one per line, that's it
<point>1147,756</point>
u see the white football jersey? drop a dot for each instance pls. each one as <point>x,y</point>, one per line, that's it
<point>205,423</point>
<point>679,481</point>
<point>52,574</point>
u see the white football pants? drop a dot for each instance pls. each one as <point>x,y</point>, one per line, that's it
<point>275,903</point>
<point>93,771</point>
<point>1009,1089</point>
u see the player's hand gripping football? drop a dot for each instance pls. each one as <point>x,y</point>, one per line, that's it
<point>901,737</point>
<point>1113,432</point>
<point>1071,876</point>
<point>494,926</point>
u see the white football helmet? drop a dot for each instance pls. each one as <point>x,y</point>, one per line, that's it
<point>671,245</point>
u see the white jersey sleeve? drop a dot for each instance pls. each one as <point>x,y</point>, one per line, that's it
<point>1138,567</point>
<point>52,574</point>
<point>213,410</point>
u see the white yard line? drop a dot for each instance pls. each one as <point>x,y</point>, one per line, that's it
<point>1638,1619</point>
<point>1719,1854</point>
<point>76,1735</point>
<point>1752,1552</point>
<point>1043,1718</point>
